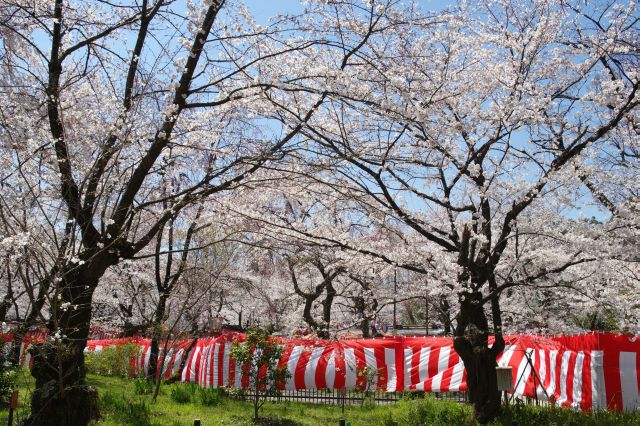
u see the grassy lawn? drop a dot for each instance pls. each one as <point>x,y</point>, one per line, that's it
<point>122,404</point>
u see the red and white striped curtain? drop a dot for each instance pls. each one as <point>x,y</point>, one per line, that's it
<point>593,371</point>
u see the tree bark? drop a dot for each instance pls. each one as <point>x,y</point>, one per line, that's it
<point>471,342</point>
<point>158,321</point>
<point>62,396</point>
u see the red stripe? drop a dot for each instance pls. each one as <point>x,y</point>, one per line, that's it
<point>301,367</point>
<point>532,381</point>
<point>282,363</point>
<point>321,369</point>
<point>587,399</point>
<point>433,362</point>
<point>221,364</point>
<point>611,361</point>
<point>341,368</point>
<point>571,368</point>
<point>446,377</point>
<point>381,366</point>
<point>415,365</point>
<point>399,349</point>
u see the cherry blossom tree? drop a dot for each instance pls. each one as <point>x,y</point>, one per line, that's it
<point>105,92</point>
<point>469,130</point>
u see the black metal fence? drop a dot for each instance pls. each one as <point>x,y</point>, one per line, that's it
<point>351,397</point>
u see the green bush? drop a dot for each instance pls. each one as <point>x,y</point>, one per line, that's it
<point>531,415</point>
<point>112,361</point>
<point>134,413</point>
<point>183,393</point>
<point>429,411</point>
<point>7,376</point>
<point>210,396</point>
<point>7,384</point>
<point>143,386</point>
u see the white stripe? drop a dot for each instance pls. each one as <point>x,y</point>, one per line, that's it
<point>204,366</point>
<point>350,366</point>
<point>423,369</point>
<point>370,359</point>
<point>147,356</point>
<point>166,361</point>
<point>443,363</point>
<point>542,373</point>
<point>185,370</point>
<point>178,361</point>
<point>524,371</point>
<point>507,353</point>
<point>629,381</point>
<point>216,352</point>
<point>237,376</point>
<point>192,367</point>
<point>577,380</point>
<point>225,364</point>
<point>390,361</point>
<point>553,368</point>
<point>564,367</point>
<point>139,364</point>
<point>408,355</point>
<point>598,394</point>
<point>456,377</point>
<point>292,362</point>
<point>310,371</point>
<point>330,373</point>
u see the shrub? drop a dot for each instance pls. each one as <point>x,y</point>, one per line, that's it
<point>7,384</point>
<point>431,412</point>
<point>7,376</point>
<point>258,358</point>
<point>210,396</point>
<point>530,415</point>
<point>112,361</point>
<point>134,413</point>
<point>142,387</point>
<point>183,393</point>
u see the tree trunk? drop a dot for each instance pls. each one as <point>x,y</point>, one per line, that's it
<point>471,342</point>
<point>158,321</point>
<point>256,405</point>
<point>61,396</point>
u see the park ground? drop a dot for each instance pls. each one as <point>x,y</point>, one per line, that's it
<point>128,402</point>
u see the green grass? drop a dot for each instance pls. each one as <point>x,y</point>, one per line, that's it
<point>122,403</point>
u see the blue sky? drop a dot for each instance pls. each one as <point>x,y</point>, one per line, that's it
<point>263,9</point>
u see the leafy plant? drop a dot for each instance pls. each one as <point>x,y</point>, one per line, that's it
<point>7,376</point>
<point>134,413</point>
<point>142,386</point>
<point>183,393</point>
<point>258,358</point>
<point>112,361</point>
<point>210,396</point>
<point>7,384</point>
